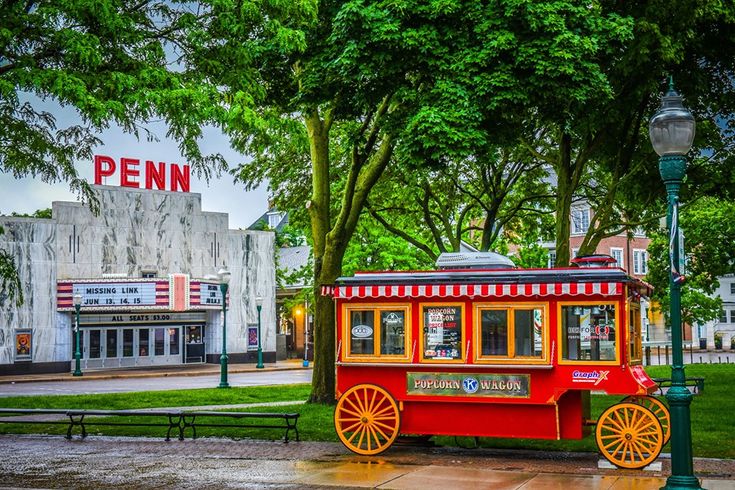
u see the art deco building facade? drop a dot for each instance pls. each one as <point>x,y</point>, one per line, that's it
<point>146,267</point>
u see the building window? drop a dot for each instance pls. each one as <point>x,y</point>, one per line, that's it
<point>723,316</point>
<point>732,288</point>
<point>732,316</point>
<point>640,262</point>
<point>552,259</point>
<point>617,254</point>
<point>588,332</point>
<point>510,332</point>
<point>274,219</point>
<point>580,220</point>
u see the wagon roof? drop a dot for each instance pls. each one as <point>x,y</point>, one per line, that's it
<point>487,282</point>
<point>490,276</point>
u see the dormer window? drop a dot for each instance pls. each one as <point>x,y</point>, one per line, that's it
<point>274,219</point>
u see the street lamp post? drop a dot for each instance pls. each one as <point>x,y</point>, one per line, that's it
<point>224,280</point>
<point>671,131</point>
<point>259,306</point>
<point>77,353</point>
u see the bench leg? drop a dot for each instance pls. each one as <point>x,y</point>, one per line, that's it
<point>290,426</point>
<point>171,425</point>
<point>183,424</point>
<point>72,423</point>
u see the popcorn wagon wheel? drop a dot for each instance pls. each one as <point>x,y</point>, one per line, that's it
<point>658,408</point>
<point>367,419</point>
<point>629,435</point>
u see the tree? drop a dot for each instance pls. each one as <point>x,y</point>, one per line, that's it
<point>113,62</point>
<point>709,245</point>
<point>373,249</point>
<point>329,96</point>
<point>473,200</point>
<point>600,150</point>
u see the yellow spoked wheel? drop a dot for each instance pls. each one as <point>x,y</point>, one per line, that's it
<point>658,408</point>
<point>629,435</point>
<point>367,419</point>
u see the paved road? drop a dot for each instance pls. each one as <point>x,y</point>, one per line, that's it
<point>121,385</point>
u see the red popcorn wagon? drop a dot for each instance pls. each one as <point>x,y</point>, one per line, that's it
<point>495,351</point>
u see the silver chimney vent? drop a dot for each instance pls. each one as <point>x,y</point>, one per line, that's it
<point>474,260</point>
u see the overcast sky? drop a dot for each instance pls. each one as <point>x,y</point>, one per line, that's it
<point>221,195</point>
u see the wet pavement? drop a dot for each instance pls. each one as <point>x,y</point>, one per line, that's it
<point>144,463</point>
<point>37,461</point>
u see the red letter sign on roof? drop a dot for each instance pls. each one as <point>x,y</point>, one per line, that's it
<point>99,172</point>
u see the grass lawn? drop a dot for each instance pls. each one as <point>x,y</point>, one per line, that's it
<point>713,413</point>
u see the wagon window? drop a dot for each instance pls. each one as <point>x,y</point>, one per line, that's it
<point>442,327</point>
<point>362,332</point>
<point>511,332</point>
<point>495,333</point>
<point>392,332</point>
<point>588,332</point>
<point>634,334</point>
<point>376,331</point>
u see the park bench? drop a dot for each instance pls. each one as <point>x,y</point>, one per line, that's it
<point>261,421</point>
<point>109,417</point>
<point>175,419</point>
<point>694,384</point>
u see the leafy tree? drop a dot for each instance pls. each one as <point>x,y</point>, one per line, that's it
<point>39,213</point>
<point>600,150</point>
<point>472,200</point>
<point>352,84</point>
<point>373,249</point>
<point>113,62</point>
<point>709,245</point>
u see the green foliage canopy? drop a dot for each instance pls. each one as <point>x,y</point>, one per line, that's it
<point>709,245</point>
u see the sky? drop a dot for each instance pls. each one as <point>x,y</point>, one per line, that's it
<point>220,194</point>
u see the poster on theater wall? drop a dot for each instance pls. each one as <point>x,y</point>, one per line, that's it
<point>23,345</point>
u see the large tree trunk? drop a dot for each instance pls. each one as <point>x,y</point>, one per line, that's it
<point>331,240</point>
<point>566,186</point>
<point>323,380</point>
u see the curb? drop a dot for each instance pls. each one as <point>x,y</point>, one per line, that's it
<point>143,374</point>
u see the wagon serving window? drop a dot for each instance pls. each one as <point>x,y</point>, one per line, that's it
<point>442,332</point>
<point>510,332</point>
<point>588,332</point>
<point>376,331</point>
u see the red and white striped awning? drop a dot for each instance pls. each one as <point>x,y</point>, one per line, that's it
<point>475,290</point>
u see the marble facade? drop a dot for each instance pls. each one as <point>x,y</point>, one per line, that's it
<point>137,232</point>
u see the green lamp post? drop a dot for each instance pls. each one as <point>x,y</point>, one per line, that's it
<point>259,306</point>
<point>77,299</point>
<point>671,131</point>
<point>224,280</point>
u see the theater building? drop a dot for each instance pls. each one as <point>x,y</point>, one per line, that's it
<point>146,267</point>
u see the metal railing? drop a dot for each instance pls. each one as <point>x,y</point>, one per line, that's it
<point>659,354</point>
